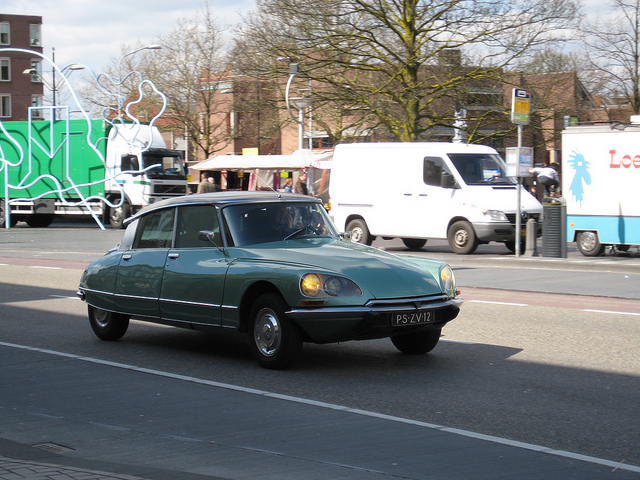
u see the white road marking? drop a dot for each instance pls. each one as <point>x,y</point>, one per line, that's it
<point>331,406</point>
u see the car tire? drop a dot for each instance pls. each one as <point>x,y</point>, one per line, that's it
<point>359,232</point>
<point>417,343</point>
<point>107,325</point>
<point>589,244</point>
<point>462,238</point>
<point>275,341</point>
<point>414,243</point>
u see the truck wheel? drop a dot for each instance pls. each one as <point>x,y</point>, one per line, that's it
<point>589,244</point>
<point>275,341</point>
<point>359,232</point>
<point>108,325</point>
<point>118,215</point>
<point>462,238</point>
<point>414,243</point>
<point>40,220</point>
<point>417,343</point>
<point>14,218</point>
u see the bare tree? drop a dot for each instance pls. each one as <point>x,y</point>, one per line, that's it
<point>613,45</point>
<point>392,60</point>
<point>190,70</point>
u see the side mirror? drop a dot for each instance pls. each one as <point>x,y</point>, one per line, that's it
<point>346,235</point>
<point>209,236</point>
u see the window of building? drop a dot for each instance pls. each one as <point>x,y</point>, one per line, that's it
<point>34,31</point>
<point>5,69</point>
<point>5,106</point>
<point>36,69</point>
<point>4,34</point>
<point>36,102</point>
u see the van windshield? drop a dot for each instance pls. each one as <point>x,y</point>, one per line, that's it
<point>481,169</point>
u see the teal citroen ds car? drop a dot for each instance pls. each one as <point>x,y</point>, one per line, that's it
<point>271,266</point>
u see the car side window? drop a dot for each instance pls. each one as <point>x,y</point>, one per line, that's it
<point>433,167</point>
<point>193,219</point>
<point>155,230</point>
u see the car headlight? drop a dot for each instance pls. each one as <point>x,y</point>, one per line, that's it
<point>448,280</point>
<point>321,285</point>
<point>495,215</point>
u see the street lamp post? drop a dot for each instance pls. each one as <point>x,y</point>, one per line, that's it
<point>53,86</point>
<point>120,79</point>
<point>301,103</point>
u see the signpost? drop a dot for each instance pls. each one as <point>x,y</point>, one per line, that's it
<point>520,108</point>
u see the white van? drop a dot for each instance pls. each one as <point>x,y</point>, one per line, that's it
<point>417,191</point>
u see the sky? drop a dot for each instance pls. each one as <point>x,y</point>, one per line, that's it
<point>91,32</point>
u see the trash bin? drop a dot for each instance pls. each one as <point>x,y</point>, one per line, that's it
<point>554,227</point>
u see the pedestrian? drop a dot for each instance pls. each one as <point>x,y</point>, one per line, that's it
<point>548,176</point>
<point>301,185</point>
<point>207,184</point>
<point>288,185</point>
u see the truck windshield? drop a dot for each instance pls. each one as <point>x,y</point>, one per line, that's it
<point>169,165</point>
<point>481,169</point>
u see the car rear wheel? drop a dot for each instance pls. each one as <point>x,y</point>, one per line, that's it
<point>275,340</point>
<point>417,343</point>
<point>108,325</point>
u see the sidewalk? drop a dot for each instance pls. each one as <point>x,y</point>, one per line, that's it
<point>144,424</point>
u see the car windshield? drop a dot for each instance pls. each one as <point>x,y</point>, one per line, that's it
<point>480,169</point>
<point>273,222</point>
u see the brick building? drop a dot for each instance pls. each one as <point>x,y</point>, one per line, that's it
<point>18,91</point>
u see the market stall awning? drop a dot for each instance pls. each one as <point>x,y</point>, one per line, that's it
<point>298,159</point>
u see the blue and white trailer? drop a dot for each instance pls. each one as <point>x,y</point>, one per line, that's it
<point>601,186</point>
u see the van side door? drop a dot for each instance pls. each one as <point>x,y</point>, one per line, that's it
<point>435,201</point>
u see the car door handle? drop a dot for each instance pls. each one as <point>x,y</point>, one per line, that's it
<point>126,257</point>
<point>173,256</point>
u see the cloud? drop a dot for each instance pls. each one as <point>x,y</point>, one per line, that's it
<point>92,33</point>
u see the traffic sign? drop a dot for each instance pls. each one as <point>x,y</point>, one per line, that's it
<point>520,106</point>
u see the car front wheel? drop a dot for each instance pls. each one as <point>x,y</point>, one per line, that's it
<point>108,325</point>
<point>417,343</point>
<point>275,340</point>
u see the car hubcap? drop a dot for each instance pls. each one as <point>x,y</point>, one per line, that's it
<point>267,333</point>
<point>101,317</point>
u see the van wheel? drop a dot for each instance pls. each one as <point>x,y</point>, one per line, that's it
<point>462,238</point>
<point>414,243</point>
<point>359,232</point>
<point>589,244</point>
